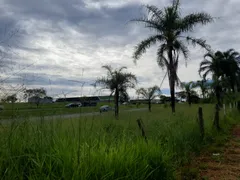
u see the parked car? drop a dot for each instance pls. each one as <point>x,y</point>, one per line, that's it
<point>106,108</point>
<point>73,105</point>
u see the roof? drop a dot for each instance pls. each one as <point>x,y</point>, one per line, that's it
<point>106,97</point>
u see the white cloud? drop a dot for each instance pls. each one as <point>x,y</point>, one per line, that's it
<point>71,36</point>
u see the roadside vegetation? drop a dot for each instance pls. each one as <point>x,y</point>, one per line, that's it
<point>99,147</point>
<point>139,144</point>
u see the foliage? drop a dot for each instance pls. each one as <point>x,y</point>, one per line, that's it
<point>188,91</point>
<point>10,99</point>
<point>35,94</point>
<point>224,68</point>
<point>171,32</point>
<point>96,147</point>
<point>204,87</point>
<point>28,93</point>
<point>117,82</point>
<point>149,93</point>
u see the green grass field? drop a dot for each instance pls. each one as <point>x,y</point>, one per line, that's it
<point>22,110</point>
<point>100,147</point>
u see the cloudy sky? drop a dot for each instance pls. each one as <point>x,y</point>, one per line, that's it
<point>61,44</point>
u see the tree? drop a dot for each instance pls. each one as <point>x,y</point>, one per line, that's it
<point>230,67</point>
<point>213,64</point>
<point>204,86</point>
<point>170,31</point>
<point>188,91</point>
<point>12,98</point>
<point>35,94</point>
<point>117,82</point>
<point>149,94</point>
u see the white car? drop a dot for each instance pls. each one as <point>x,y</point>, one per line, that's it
<point>105,108</point>
<point>73,105</point>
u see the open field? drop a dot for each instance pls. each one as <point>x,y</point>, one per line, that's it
<point>20,110</point>
<point>100,147</point>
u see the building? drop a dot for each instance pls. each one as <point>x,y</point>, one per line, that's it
<point>106,98</point>
<point>93,99</point>
<point>36,99</point>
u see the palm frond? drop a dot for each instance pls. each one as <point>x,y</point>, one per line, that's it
<point>154,12</point>
<point>199,42</point>
<point>191,20</point>
<point>161,59</point>
<point>122,68</point>
<point>149,23</point>
<point>181,47</point>
<point>108,68</point>
<point>144,45</point>
<point>205,62</point>
<point>206,73</point>
<point>175,4</point>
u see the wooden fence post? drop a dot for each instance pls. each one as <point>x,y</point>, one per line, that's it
<point>201,121</point>
<point>140,125</point>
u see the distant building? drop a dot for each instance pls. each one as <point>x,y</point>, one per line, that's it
<point>36,99</point>
<point>106,98</point>
<point>94,99</point>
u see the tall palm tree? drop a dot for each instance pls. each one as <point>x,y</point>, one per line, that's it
<point>117,82</point>
<point>188,91</point>
<point>149,93</point>
<point>231,67</point>
<point>213,64</point>
<point>170,32</point>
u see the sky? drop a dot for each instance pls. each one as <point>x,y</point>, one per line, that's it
<point>60,45</point>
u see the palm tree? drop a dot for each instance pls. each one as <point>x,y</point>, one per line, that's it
<point>188,91</point>
<point>203,85</point>
<point>213,63</point>
<point>170,31</point>
<point>117,82</point>
<point>231,67</point>
<point>149,94</point>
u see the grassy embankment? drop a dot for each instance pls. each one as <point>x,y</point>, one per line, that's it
<point>22,110</point>
<point>100,147</point>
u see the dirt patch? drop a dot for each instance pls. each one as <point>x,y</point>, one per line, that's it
<point>221,164</point>
<point>226,165</point>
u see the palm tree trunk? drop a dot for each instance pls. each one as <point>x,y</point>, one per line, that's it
<point>171,77</point>
<point>149,105</point>
<point>116,102</point>
<point>218,96</point>
<point>189,99</point>
<point>216,117</point>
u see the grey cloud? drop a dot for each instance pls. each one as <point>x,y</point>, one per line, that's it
<point>65,37</point>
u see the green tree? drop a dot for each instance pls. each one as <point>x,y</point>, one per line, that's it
<point>149,94</point>
<point>213,64</point>
<point>230,67</point>
<point>117,82</point>
<point>12,98</point>
<point>204,87</point>
<point>35,94</point>
<point>171,33</point>
<point>187,91</point>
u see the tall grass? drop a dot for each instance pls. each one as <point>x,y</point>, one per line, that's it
<point>99,147</point>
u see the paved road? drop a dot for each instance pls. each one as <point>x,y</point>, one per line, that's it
<point>64,116</point>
